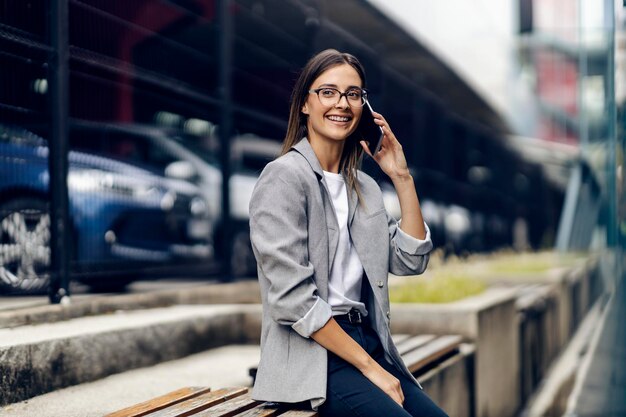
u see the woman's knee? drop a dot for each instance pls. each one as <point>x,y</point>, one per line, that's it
<point>418,404</point>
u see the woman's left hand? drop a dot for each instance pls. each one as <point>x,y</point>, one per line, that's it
<point>390,157</point>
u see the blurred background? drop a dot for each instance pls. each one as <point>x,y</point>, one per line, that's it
<point>120,120</point>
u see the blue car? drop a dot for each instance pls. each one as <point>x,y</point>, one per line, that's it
<point>125,221</point>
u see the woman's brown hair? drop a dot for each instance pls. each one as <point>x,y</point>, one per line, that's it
<point>297,127</point>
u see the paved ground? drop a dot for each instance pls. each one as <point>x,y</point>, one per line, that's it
<point>217,368</point>
<point>81,293</point>
<point>602,392</point>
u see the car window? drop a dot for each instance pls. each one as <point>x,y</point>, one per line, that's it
<point>251,155</point>
<point>122,146</point>
<point>203,147</point>
<point>88,141</point>
<point>138,150</point>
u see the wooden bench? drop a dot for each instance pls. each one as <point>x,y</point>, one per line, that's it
<point>202,402</point>
<point>420,354</point>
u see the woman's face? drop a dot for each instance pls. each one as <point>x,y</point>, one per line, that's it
<point>337,121</point>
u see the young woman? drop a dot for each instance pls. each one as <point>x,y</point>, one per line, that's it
<point>324,245</point>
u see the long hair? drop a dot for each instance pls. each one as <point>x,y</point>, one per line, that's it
<point>297,127</point>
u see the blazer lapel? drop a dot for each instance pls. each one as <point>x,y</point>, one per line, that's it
<point>332,225</point>
<point>353,201</point>
<point>368,235</point>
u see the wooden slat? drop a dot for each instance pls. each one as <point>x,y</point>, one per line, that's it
<point>261,410</point>
<point>159,403</point>
<point>299,413</point>
<point>202,402</point>
<point>414,343</point>
<point>399,338</point>
<point>431,352</point>
<point>229,408</point>
<point>417,352</point>
<point>269,409</point>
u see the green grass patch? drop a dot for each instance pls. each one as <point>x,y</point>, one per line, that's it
<point>454,278</point>
<point>528,263</point>
<point>439,288</point>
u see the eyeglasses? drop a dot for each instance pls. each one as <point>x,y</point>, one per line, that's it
<point>329,96</point>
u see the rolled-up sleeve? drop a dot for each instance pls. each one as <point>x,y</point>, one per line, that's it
<point>407,255</point>
<point>314,319</point>
<point>279,236</point>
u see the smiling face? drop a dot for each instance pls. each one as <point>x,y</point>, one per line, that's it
<point>335,122</point>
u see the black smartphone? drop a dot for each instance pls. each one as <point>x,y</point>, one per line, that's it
<point>370,131</point>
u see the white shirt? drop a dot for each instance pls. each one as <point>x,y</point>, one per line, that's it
<point>346,273</point>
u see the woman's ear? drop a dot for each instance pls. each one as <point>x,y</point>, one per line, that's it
<point>305,109</point>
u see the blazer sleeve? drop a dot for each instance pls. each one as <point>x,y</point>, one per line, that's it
<point>279,236</point>
<point>407,255</point>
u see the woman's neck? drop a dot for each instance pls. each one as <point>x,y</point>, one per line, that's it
<point>328,153</point>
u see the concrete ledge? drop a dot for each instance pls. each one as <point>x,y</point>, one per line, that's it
<point>39,359</point>
<point>548,315</point>
<point>539,342</point>
<point>489,320</point>
<point>450,384</point>
<point>517,330</point>
<point>243,292</point>
<point>556,385</point>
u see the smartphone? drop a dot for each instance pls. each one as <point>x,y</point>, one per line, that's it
<point>370,131</point>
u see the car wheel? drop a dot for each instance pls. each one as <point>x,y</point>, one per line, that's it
<point>24,246</point>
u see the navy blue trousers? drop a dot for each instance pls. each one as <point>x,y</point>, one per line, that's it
<point>349,393</point>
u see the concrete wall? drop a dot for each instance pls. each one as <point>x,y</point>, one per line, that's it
<point>517,332</point>
<point>539,338</point>
<point>548,315</point>
<point>450,384</point>
<point>488,320</point>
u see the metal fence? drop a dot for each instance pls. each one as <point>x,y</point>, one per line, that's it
<point>119,121</point>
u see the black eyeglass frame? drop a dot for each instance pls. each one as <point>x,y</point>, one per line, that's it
<point>316,91</point>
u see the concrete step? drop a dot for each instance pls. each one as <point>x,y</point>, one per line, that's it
<point>36,310</point>
<point>226,366</point>
<point>35,359</point>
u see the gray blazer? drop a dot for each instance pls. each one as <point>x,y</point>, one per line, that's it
<point>294,234</point>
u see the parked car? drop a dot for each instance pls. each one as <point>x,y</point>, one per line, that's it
<point>124,220</point>
<point>178,154</point>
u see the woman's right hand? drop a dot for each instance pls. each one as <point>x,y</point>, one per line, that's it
<point>336,340</point>
<point>385,381</point>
